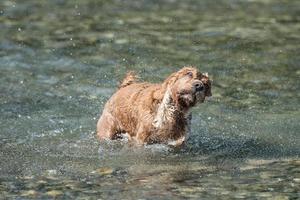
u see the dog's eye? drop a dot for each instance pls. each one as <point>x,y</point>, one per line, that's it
<point>190,74</point>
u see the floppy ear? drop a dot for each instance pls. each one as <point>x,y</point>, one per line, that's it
<point>176,75</point>
<point>159,94</point>
<point>207,84</point>
<point>170,81</point>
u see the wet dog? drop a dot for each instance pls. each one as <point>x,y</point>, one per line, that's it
<point>154,113</point>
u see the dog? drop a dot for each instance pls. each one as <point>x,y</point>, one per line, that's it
<point>154,113</point>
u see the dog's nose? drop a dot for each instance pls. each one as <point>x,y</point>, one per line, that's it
<point>198,86</point>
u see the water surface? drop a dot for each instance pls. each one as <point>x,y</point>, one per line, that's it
<point>61,60</point>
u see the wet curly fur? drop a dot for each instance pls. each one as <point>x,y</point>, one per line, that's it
<point>154,113</point>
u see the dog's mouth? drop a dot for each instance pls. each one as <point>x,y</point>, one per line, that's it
<point>187,99</point>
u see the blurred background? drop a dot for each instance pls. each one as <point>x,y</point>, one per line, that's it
<point>61,60</point>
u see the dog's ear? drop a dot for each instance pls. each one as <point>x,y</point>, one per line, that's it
<point>207,84</point>
<point>159,94</point>
<point>171,79</point>
<point>176,75</point>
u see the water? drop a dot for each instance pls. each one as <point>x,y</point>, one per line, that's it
<point>61,60</point>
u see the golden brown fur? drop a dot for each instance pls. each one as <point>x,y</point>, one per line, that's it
<point>154,113</point>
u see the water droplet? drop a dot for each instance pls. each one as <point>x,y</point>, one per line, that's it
<point>51,172</point>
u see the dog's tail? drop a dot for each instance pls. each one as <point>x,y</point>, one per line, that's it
<point>129,79</point>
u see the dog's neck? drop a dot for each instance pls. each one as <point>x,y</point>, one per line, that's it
<point>167,111</point>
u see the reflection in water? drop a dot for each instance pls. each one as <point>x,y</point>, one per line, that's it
<point>61,60</point>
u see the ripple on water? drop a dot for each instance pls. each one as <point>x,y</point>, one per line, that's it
<point>56,74</point>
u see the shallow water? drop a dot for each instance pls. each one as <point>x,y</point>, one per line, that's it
<point>61,60</point>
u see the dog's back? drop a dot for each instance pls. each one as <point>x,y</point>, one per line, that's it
<point>131,103</point>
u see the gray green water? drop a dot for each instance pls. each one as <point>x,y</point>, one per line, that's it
<point>61,60</point>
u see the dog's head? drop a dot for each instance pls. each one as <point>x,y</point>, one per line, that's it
<point>188,87</point>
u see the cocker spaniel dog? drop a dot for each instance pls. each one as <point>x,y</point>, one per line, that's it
<point>154,113</point>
